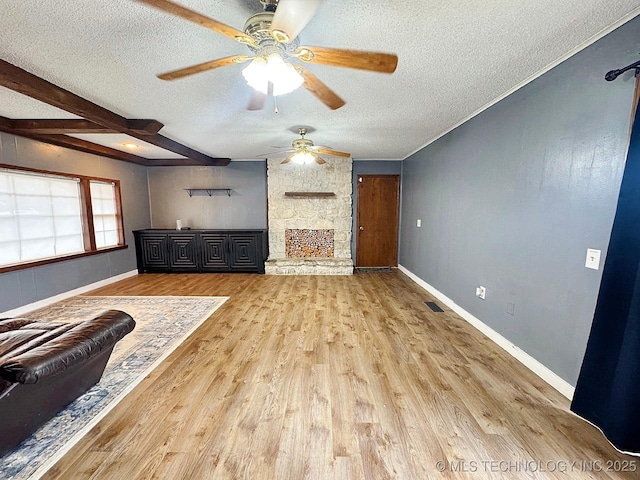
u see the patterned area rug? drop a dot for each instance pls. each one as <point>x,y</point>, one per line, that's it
<point>162,323</point>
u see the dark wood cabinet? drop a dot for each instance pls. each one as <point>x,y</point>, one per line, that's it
<point>162,251</point>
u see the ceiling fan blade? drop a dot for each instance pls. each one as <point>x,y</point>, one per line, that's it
<point>361,60</point>
<point>257,100</point>
<point>319,160</point>
<point>291,17</point>
<point>275,154</point>
<point>195,17</point>
<point>319,89</point>
<point>203,67</point>
<point>325,151</point>
<point>288,159</point>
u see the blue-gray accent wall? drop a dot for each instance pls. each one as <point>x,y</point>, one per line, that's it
<point>26,286</point>
<point>512,199</point>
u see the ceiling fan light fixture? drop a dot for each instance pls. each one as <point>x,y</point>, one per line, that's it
<point>282,75</point>
<point>303,158</point>
<point>256,74</point>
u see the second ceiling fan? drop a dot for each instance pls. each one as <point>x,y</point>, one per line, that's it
<point>271,36</point>
<point>304,151</point>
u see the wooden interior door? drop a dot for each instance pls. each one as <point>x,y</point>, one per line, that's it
<point>377,220</point>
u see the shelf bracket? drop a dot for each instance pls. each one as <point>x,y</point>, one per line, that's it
<point>208,191</point>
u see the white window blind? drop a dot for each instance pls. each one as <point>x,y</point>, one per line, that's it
<point>105,217</point>
<point>40,217</point>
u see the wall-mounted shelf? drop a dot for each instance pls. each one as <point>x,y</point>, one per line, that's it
<point>310,194</point>
<point>208,191</point>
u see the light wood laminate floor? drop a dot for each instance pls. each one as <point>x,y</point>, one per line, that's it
<point>322,377</point>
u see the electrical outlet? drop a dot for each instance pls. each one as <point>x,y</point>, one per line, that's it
<point>593,259</point>
<point>418,223</point>
<point>481,292</point>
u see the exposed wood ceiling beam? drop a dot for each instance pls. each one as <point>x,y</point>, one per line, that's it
<point>144,127</point>
<point>71,126</point>
<point>55,127</point>
<point>26,83</point>
<point>6,125</point>
<point>167,162</point>
<point>90,147</point>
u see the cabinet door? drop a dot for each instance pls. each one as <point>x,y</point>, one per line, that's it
<point>152,252</point>
<point>213,248</point>
<point>245,252</point>
<point>183,251</point>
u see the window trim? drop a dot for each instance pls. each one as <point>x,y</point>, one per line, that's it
<point>88,232</point>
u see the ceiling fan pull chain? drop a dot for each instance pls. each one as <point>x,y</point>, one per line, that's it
<point>275,101</point>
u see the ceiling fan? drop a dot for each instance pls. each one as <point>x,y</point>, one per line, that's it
<point>271,36</point>
<point>304,151</point>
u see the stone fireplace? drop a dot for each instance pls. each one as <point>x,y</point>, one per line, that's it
<point>309,212</point>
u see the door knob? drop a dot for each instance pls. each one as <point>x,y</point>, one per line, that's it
<point>361,228</point>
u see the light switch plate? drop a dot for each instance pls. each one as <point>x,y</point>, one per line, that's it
<point>418,223</point>
<point>593,259</point>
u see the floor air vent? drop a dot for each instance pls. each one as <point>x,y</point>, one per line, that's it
<point>434,306</point>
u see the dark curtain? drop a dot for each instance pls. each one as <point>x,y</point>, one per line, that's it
<point>608,389</point>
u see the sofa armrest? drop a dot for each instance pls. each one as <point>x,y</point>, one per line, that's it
<point>74,346</point>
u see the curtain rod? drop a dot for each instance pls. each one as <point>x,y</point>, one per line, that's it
<point>613,74</point>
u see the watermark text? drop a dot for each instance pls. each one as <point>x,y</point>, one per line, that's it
<point>543,466</point>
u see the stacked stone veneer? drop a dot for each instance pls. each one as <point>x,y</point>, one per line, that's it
<point>309,213</point>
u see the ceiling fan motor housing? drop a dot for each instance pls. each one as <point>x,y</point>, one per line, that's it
<point>258,26</point>
<point>302,144</point>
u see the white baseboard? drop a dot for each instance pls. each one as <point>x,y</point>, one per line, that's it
<point>561,385</point>
<point>17,312</point>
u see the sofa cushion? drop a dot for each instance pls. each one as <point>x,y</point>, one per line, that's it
<point>13,339</point>
<point>73,346</point>
<point>7,324</point>
<point>48,325</point>
<point>42,337</point>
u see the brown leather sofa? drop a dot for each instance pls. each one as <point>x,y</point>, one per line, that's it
<point>44,366</point>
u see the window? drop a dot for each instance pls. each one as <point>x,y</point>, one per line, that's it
<point>105,217</point>
<point>46,216</point>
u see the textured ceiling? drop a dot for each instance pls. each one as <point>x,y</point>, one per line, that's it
<point>455,58</point>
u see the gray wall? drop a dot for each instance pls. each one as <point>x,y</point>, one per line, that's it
<point>26,286</point>
<point>368,167</point>
<point>245,208</point>
<point>512,199</point>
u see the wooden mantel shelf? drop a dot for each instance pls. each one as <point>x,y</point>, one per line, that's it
<point>310,194</point>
